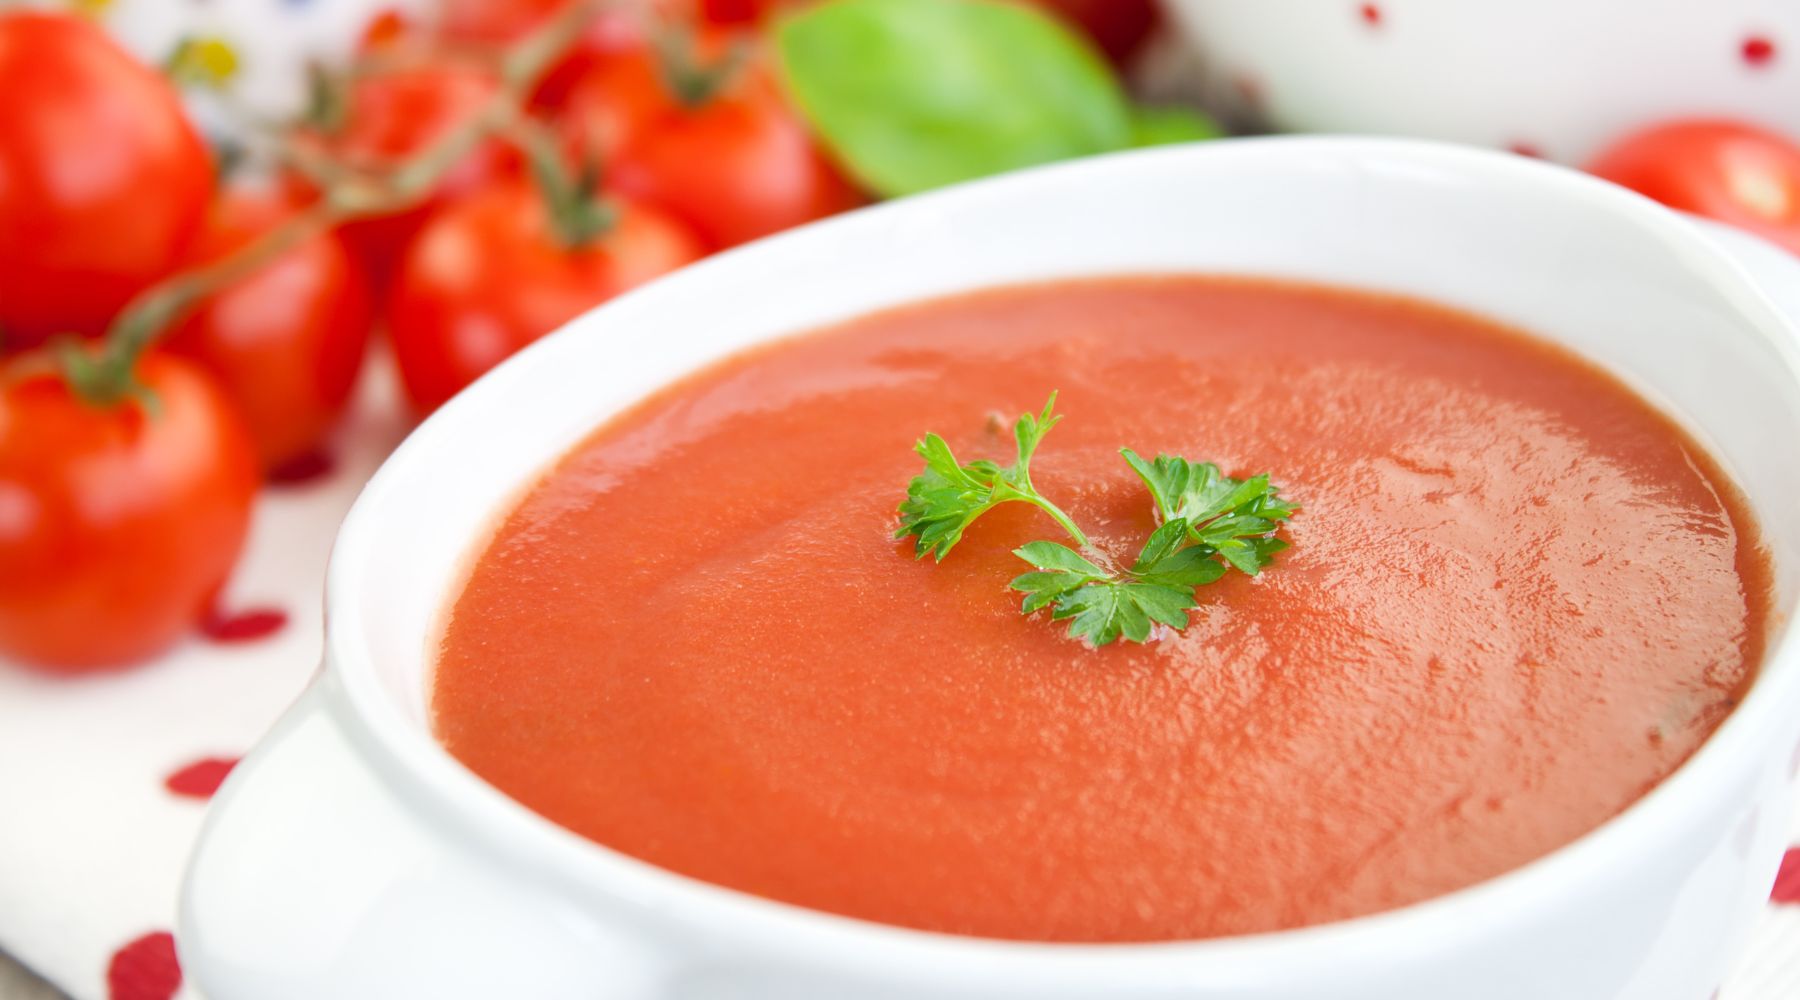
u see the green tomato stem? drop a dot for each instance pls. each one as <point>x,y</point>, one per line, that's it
<point>690,81</point>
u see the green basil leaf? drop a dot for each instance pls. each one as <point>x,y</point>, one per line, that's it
<point>914,94</point>
<point>1161,126</point>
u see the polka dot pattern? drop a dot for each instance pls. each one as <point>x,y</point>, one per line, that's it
<point>243,626</point>
<point>200,779</point>
<point>1758,50</point>
<point>144,969</point>
<point>1787,880</point>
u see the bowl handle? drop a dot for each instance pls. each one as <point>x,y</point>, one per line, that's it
<point>311,879</point>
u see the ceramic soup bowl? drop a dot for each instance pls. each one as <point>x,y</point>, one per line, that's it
<point>351,857</point>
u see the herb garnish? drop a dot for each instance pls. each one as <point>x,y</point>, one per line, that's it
<point>948,496</point>
<point>1210,523</point>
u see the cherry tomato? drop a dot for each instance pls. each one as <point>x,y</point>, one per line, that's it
<point>287,341</point>
<point>118,523</point>
<point>396,115</point>
<point>1736,173</point>
<point>735,165</point>
<point>102,178</point>
<point>489,275</point>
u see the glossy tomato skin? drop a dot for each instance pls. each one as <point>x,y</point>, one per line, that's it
<point>102,177</point>
<point>286,342</point>
<point>487,276</point>
<point>397,115</point>
<point>1730,171</point>
<point>738,166</point>
<point>117,525</point>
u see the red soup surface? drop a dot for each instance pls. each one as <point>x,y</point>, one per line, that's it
<point>1517,598</point>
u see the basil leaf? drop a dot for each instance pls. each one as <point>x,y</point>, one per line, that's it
<point>914,94</point>
<point>1161,126</point>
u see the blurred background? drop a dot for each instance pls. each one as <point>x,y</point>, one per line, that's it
<point>246,244</point>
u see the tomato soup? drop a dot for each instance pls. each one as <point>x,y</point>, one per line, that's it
<point>1517,597</point>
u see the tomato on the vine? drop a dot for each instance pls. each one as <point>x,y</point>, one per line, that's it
<point>392,116</point>
<point>717,145</point>
<point>1730,171</point>
<point>492,273</point>
<point>102,178</point>
<point>119,521</point>
<point>285,342</point>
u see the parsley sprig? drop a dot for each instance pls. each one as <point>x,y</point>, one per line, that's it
<point>1210,524</point>
<point>948,496</point>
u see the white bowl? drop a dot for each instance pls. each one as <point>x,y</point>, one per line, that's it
<point>351,857</point>
<point>1559,78</point>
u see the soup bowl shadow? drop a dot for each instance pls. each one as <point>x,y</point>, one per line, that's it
<point>350,856</point>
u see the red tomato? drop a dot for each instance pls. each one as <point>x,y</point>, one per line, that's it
<point>1729,171</point>
<point>396,115</point>
<point>488,275</point>
<point>117,524</point>
<point>736,166</point>
<point>102,178</point>
<point>285,342</point>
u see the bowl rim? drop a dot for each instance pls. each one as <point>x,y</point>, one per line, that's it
<point>456,802</point>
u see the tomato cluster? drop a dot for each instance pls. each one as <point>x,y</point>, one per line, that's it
<point>122,512</point>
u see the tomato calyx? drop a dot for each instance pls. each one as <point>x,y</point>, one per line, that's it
<point>99,379</point>
<point>692,80</point>
<point>327,106</point>
<point>579,216</point>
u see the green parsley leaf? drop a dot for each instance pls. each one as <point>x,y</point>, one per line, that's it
<point>948,496</point>
<point>1224,514</point>
<point>1061,570</point>
<point>1211,523</point>
<point>1164,560</point>
<point>1101,606</point>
